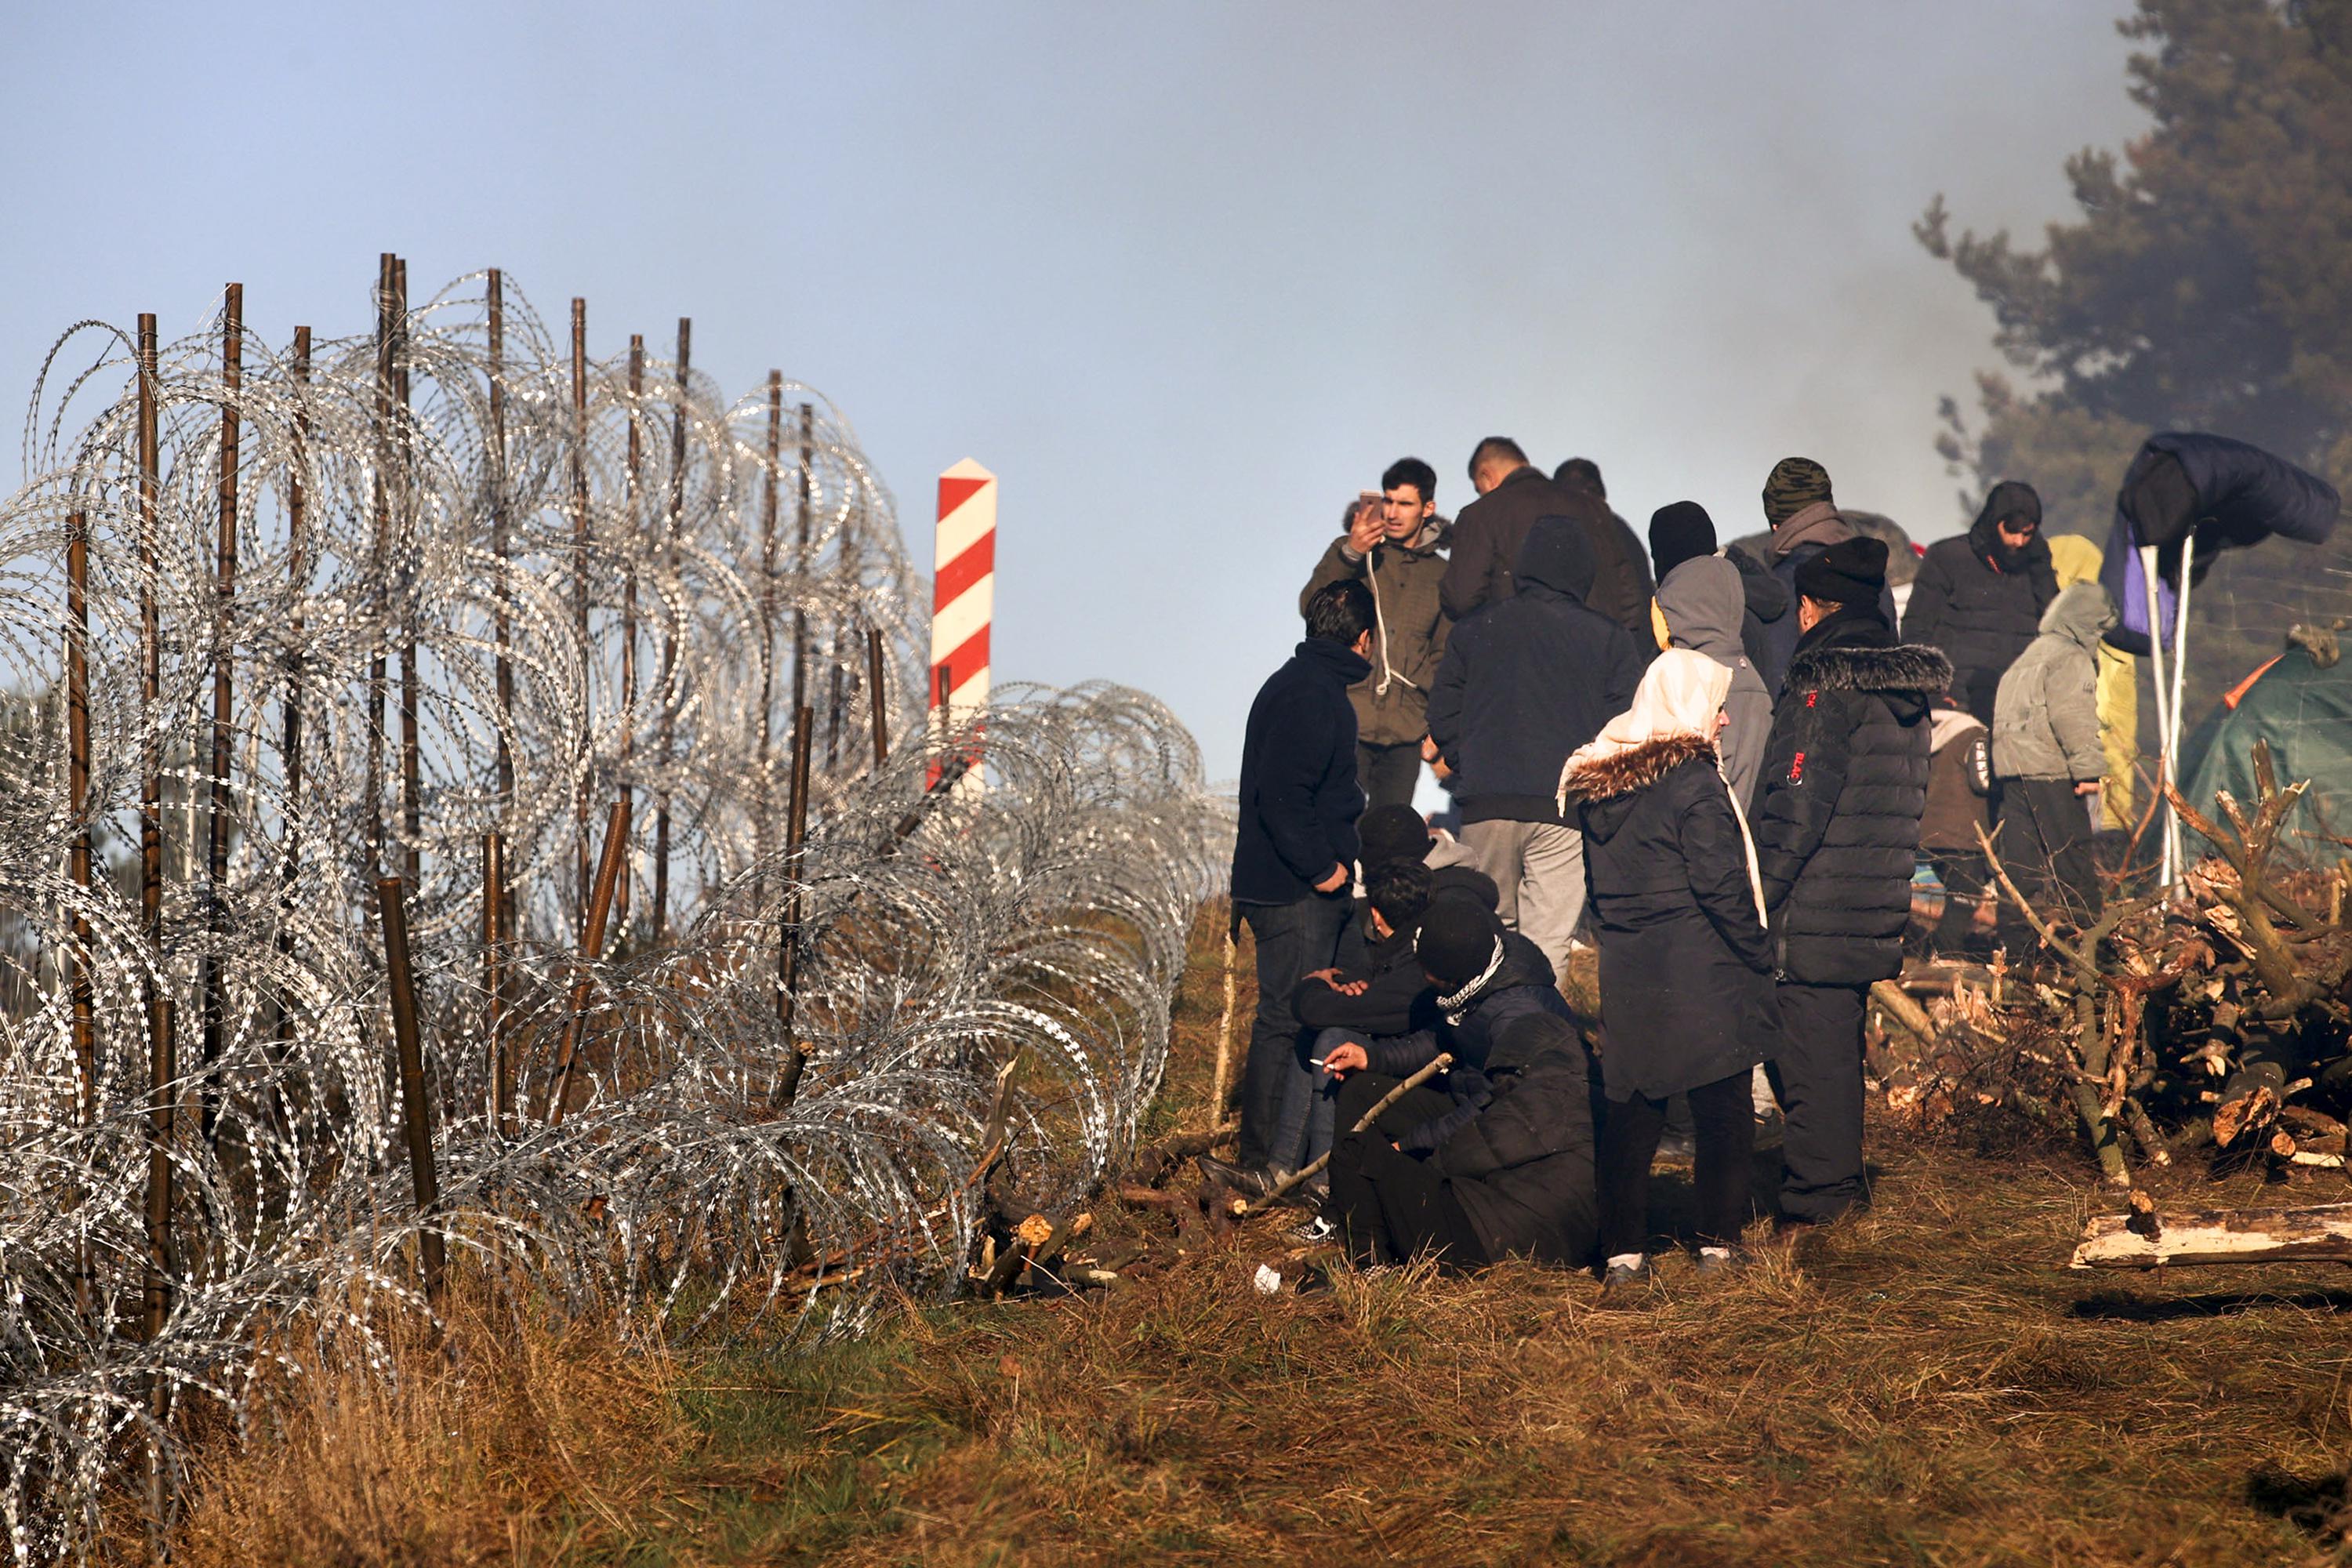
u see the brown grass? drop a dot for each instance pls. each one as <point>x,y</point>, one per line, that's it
<point>1921,1386</point>
<point>516,1439</point>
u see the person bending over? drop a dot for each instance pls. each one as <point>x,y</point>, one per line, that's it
<point>1686,962</point>
<point>1500,1163</point>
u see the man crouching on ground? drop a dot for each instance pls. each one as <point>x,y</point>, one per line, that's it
<point>1837,838</point>
<point>1498,1165</point>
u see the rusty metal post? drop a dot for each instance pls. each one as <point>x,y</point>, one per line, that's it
<point>500,544</point>
<point>788,944</point>
<point>376,692</point>
<point>494,979</point>
<point>412,784</point>
<point>800,556</point>
<point>835,703</point>
<point>877,696</point>
<point>580,540</point>
<point>79,984</point>
<point>298,577</point>
<point>768,590</point>
<point>416,1114</point>
<point>161,1067</point>
<point>592,949</point>
<point>634,536</point>
<point>212,981</point>
<point>79,990</point>
<point>669,632</point>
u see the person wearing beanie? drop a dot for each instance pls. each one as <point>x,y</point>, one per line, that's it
<point>1805,520</point>
<point>1524,683</point>
<point>1295,850</point>
<point>1394,545</point>
<point>1979,597</point>
<point>1679,532</point>
<point>1498,1163</point>
<point>1837,840</point>
<point>1492,530</point>
<point>1390,833</point>
<point>1686,962</point>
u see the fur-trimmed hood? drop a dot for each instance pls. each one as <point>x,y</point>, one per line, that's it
<point>1636,767</point>
<point>1905,669</point>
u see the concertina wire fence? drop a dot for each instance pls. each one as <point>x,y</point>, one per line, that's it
<point>473,584</point>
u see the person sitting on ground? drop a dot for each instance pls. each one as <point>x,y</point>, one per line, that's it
<point>1500,1163</point>
<point>1685,960</point>
<point>1382,1016</point>
<point>2047,759</point>
<point>1837,840</point>
<point>1959,792</point>
<point>1393,833</point>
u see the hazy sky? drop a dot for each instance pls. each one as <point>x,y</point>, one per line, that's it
<point>1186,277</point>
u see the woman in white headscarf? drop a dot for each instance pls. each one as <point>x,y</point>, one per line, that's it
<point>1685,960</point>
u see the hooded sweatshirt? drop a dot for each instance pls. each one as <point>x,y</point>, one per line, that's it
<point>1980,601</point>
<point>1527,680</point>
<point>2046,717</point>
<point>1704,603</point>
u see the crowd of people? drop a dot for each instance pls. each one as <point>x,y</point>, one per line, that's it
<point>1721,770</point>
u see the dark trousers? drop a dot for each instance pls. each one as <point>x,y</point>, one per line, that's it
<point>1965,879</point>
<point>1293,941</point>
<point>1391,1206</point>
<point>2046,847</point>
<point>1388,774</point>
<point>1818,1076</point>
<point>1724,1115</point>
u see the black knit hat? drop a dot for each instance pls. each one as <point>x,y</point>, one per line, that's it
<point>1851,572</point>
<point>1391,833</point>
<point>1456,941</point>
<point>1679,532</point>
<point>1795,483</point>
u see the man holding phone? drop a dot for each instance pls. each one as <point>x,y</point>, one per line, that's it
<point>1393,544</point>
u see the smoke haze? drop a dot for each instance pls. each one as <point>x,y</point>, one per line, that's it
<point>1185,277</point>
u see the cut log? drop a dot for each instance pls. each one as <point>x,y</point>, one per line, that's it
<point>2217,1236</point>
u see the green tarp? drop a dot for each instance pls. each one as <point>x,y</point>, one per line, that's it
<point>2305,714</point>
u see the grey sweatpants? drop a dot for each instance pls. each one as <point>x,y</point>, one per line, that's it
<point>1538,868</point>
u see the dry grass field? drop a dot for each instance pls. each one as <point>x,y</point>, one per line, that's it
<point>1923,1385</point>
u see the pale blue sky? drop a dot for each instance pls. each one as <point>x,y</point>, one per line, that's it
<point>1184,276</point>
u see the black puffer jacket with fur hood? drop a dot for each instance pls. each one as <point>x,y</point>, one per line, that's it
<point>1845,780</point>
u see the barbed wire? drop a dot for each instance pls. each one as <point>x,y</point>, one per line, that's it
<point>476,587</point>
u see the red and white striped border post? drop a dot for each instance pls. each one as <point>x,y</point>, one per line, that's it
<point>963,602</point>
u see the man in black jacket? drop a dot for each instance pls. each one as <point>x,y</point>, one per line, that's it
<point>1979,597</point>
<point>1491,531</point>
<point>1584,474</point>
<point>1837,839</point>
<point>1524,683</point>
<point>1500,1163</point>
<point>1295,851</point>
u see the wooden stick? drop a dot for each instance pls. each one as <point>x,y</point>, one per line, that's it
<point>2141,1240</point>
<point>1222,1080</point>
<point>788,948</point>
<point>1438,1064</point>
<point>416,1114</point>
<point>494,940</point>
<point>162,1066</point>
<point>211,983</point>
<point>581,540</point>
<point>592,951</point>
<point>877,700</point>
